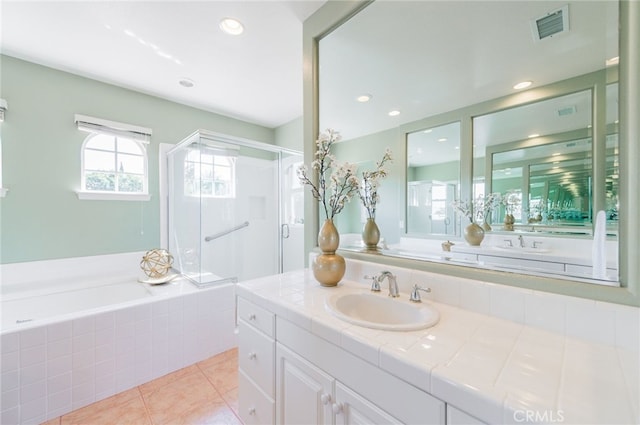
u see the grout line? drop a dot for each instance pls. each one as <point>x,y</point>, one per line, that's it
<point>144,403</point>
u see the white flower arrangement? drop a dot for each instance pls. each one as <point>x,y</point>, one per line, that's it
<point>480,207</point>
<point>510,200</point>
<point>337,182</point>
<point>371,182</point>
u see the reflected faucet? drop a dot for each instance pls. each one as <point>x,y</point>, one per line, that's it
<point>393,284</point>
<point>521,239</point>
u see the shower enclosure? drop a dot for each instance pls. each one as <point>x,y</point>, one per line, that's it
<point>235,209</point>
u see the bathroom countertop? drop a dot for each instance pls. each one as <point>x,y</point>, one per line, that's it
<point>494,369</point>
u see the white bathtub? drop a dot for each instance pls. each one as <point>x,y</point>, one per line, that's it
<point>90,330</point>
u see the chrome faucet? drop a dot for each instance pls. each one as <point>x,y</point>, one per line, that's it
<point>393,284</point>
<point>521,239</point>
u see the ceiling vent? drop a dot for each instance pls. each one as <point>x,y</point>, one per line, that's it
<point>567,110</point>
<point>553,23</point>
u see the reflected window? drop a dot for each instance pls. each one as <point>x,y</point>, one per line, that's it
<point>209,174</point>
<point>293,195</point>
<point>114,164</point>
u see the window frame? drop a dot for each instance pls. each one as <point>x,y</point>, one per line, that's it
<point>114,195</point>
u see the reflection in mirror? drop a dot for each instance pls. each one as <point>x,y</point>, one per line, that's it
<point>433,180</point>
<point>473,88</point>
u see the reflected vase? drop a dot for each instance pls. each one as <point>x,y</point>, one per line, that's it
<point>371,235</point>
<point>509,221</point>
<point>473,234</point>
<point>328,267</point>
<point>486,226</point>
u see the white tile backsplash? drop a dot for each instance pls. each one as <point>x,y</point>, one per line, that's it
<point>590,320</point>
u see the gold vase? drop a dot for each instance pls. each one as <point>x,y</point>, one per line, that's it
<point>328,267</point>
<point>371,235</point>
<point>509,220</point>
<point>473,234</point>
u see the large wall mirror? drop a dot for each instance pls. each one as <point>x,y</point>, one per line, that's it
<point>444,101</point>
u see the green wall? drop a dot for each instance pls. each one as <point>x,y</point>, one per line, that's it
<point>41,216</point>
<point>365,152</point>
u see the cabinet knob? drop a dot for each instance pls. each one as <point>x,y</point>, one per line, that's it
<point>252,410</point>
<point>337,408</point>
<point>251,356</point>
<point>325,399</point>
<point>252,317</point>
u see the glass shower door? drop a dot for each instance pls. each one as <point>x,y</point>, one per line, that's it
<point>226,222</point>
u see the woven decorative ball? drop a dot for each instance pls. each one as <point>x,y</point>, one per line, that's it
<point>156,263</point>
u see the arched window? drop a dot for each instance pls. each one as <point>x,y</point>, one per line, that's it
<point>114,164</point>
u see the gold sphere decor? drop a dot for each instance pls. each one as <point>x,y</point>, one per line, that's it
<point>156,263</point>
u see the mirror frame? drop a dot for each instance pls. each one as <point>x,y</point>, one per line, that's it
<point>333,14</point>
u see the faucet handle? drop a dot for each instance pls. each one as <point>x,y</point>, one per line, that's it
<point>375,284</point>
<point>536,244</point>
<point>415,293</point>
<point>508,242</point>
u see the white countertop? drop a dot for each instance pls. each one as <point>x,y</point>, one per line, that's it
<point>494,369</point>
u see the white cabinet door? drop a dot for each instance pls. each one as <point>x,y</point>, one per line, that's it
<point>304,393</point>
<point>352,409</point>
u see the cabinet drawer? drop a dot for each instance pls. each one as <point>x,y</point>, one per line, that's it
<point>256,357</point>
<point>254,406</point>
<point>256,316</point>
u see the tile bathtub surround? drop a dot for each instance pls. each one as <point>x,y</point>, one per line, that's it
<point>206,392</point>
<point>493,361</point>
<point>50,370</point>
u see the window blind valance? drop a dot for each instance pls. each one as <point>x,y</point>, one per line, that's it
<point>113,128</point>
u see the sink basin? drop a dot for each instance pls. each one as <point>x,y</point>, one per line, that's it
<point>528,250</point>
<point>377,311</point>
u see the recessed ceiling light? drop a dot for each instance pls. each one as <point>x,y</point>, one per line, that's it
<point>522,85</point>
<point>186,82</point>
<point>394,113</point>
<point>612,61</point>
<point>231,26</point>
<point>555,154</point>
<point>443,139</point>
<point>428,130</point>
<point>363,98</point>
<point>457,147</point>
<point>531,136</point>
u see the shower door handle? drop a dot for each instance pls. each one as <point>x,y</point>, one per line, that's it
<point>285,231</point>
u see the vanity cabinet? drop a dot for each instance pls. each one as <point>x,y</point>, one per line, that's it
<point>307,395</point>
<point>256,357</point>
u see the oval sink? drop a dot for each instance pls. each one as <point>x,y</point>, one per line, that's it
<point>378,311</point>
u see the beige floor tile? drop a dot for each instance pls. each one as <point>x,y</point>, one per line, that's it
<point>183,400</point>
<point>224,377</point>
<point>227,356</point>
<point>167,379</point>
<point>124,408</point>
<point>231,397</point>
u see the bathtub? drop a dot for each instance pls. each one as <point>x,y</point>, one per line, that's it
<point>76,331</point>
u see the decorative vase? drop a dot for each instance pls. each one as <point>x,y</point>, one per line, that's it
<point>371,235</point>
<point>509,220</point>
<point>486,226</point>
<point>473,234</point>
<point>328,267</point>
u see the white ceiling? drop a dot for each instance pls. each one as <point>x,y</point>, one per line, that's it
<point>149,46</point>
<point>424,58</point>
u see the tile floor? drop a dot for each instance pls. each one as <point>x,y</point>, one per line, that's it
<point>203,393</point>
